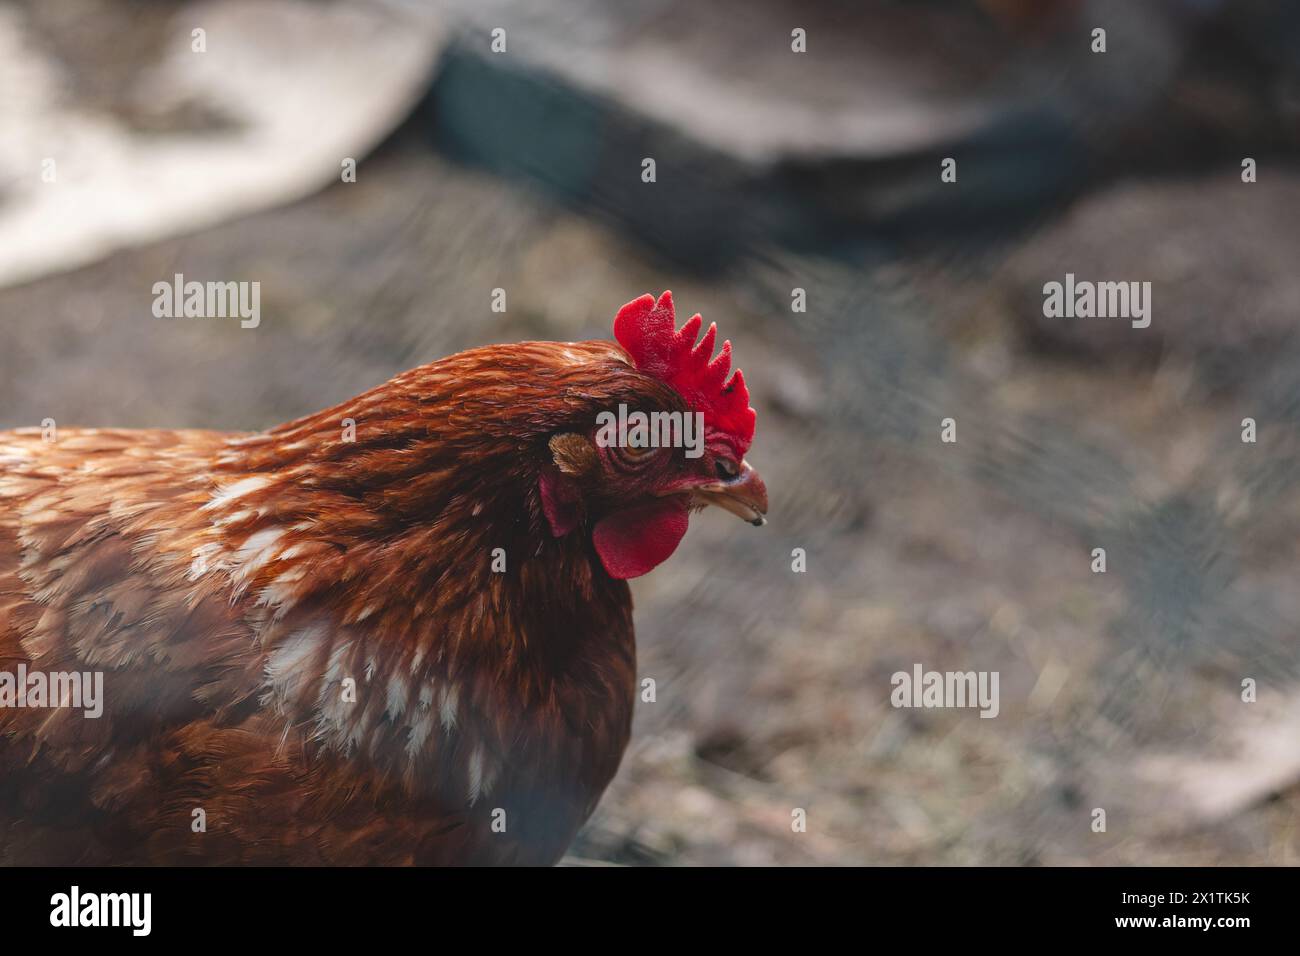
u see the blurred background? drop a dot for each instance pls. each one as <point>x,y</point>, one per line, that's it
<point>128,155</point>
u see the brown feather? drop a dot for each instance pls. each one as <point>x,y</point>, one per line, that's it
<point>228,584</point>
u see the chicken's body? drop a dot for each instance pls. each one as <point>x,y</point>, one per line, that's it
<point>317,646</point>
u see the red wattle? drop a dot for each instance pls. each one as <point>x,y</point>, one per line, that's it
<point>632,541</point>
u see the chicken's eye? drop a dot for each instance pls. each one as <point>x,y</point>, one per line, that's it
<point>629,457</point>
<point>725,468</point>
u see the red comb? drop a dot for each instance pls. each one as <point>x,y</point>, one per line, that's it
<point>646,329</point>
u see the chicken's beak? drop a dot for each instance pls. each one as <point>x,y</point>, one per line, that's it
<point>744,496</point>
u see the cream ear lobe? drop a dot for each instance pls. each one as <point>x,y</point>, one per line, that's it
<point>573,454</point>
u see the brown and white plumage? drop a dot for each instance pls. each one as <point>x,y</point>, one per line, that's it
<point>228,585</point>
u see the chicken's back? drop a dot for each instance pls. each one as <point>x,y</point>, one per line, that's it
<point>96,529</point>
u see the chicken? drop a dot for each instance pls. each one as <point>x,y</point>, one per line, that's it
<point>397,631</point>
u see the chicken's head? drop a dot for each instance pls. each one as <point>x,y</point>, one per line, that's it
<point>644,465</point>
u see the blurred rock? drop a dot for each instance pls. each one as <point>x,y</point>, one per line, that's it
<point>163,140</point>
<point>878,79</point>
<point>753,143</point>
<point>1226,296</point>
